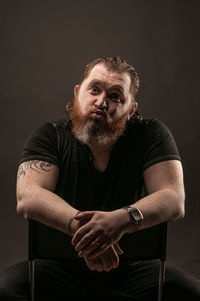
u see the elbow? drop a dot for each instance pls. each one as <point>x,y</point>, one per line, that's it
<point>179,208</point>
<point>21,207</point>
<point>21,210</point>
<point>180,213</point>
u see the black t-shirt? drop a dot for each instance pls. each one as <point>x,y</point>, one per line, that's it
<point>143,143</point>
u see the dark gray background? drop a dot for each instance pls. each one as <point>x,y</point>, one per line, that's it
<point>44,46</point>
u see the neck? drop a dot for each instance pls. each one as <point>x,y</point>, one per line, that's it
<point>101,155</point>
<point>101,148</point>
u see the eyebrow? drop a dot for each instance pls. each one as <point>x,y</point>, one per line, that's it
<point>99,82</point>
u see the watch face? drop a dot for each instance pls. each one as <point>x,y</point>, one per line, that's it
<point>136,215</point>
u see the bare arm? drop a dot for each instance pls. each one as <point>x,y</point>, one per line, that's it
<point>166,196</point>
<point>36,181</point>
<point>165,202</point>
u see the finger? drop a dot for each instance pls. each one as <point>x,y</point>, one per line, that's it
<point>86,244</point>
<point>99,269</point>
<point>94,264</point>
<point>98,251</point>
<point>98,263</point>
<point>114,257</point>
<point>118,249</point>
<point>85,215</point>
<point>83,230</point>
<point>107,262</point>
<point>90,266</point>
<point>87,248</point>
<point>89,243</point>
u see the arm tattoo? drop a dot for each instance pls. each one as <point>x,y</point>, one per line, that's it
<point>35,165</point>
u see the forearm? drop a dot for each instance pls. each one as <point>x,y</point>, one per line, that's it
<point>165,202</point>
<point>46,207</point>
<point>107,228</point>
<point>160,206</point>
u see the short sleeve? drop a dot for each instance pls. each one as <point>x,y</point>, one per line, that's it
<point>159,144</point>
<point>41,145</point>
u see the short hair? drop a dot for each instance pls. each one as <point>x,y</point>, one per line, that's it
<point>115,64</point>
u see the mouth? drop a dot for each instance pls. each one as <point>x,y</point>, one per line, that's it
<point>98,114</point>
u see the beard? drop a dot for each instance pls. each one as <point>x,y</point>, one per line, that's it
<point>95,131</point>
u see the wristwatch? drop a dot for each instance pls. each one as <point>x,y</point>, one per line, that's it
<point>135,214</point>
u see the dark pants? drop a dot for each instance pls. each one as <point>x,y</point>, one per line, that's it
<point>72,280</point>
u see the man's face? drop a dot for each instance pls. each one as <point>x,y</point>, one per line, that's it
<point>102,86</point>
<point>103,104</point>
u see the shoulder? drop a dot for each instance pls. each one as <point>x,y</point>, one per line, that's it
<point>145,126</point>
<point>156,124</point>
<point>51,128</point>
<point>158,130</point>
<point>154,138</point>
<point>46,142</point>
<point>146,122</point>
<point>148,126</point>
<point>62,125</point>
<point>41,131</point>
<point>48,133</point>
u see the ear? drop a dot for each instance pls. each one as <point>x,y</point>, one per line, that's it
<point>133,110</point>
<point>76,89</point>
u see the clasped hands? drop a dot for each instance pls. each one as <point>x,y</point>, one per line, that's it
<point>96,238</point>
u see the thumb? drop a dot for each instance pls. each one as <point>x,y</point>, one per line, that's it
<point>84,215</point>
<point>118,249</point>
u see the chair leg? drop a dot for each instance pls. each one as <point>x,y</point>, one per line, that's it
<point>161,280</point>
<point>31,278</point>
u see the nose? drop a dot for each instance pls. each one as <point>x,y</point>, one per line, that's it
<point>101,101</point>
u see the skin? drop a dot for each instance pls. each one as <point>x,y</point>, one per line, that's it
<point>95,234</point>
<point>164,203</point>
<point>103,85</point>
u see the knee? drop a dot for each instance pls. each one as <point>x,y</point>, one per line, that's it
<point>6,295</point>
<point>6,288</point>
<point>180,285</point>
<point>14,283</point>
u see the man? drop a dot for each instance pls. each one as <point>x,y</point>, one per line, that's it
<point>87,176</point>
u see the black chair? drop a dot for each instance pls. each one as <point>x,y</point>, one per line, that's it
<point>147,244</point>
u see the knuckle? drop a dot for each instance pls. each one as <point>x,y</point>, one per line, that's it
<point>115,265</point>
<point>88,236</point>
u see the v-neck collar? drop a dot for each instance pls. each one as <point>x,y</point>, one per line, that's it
<point>109,164</point>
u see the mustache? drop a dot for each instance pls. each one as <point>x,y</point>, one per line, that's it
<point>91,130</point>
<point>79,119</point>
<point>100,111</point>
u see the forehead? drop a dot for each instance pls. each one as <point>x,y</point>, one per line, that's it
<point>109,78</point>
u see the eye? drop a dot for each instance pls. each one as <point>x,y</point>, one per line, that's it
<point>94,90</point>
<point>115,97</point>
